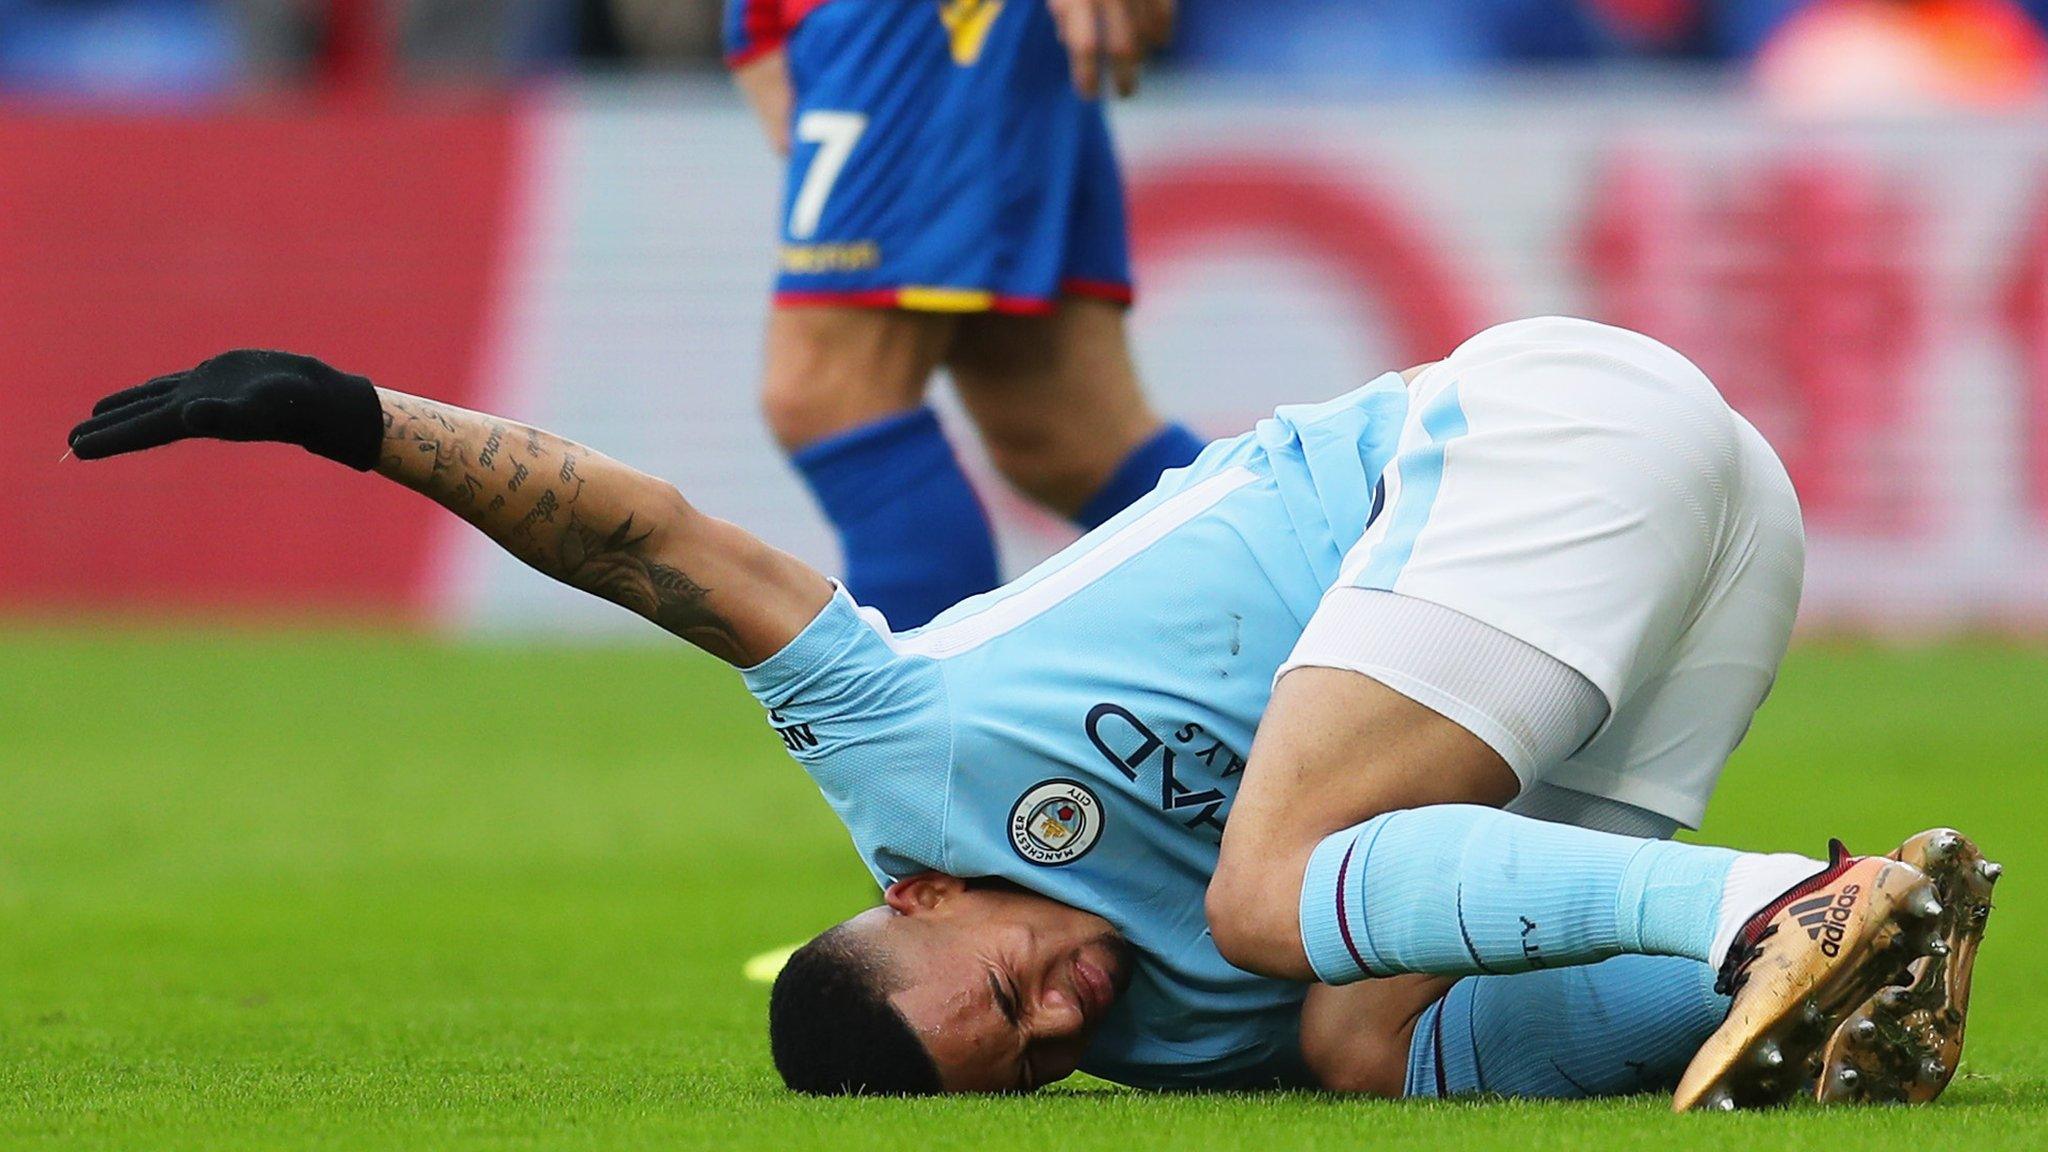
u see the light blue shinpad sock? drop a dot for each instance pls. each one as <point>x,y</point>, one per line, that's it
<point>1630,1024</point>
<point>1173,446</point>
<point>914,535</point>
<point>1462,890</point>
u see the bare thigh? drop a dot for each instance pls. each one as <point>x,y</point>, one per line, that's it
<point>832,369</point>
<point>1056,398</point>
<point>1334,749</point>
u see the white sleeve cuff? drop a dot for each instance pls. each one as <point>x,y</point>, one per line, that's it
<point>1530,707</point>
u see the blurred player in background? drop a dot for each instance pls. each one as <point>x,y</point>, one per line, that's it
<point>952,200</point>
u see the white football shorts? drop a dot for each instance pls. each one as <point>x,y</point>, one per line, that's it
<point>1585,491</point>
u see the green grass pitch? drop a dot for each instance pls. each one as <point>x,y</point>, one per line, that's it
<point>374,892</point>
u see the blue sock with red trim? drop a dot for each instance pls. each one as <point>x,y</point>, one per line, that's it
<point>1173,446</point>
<point>914,535</point>
<point>1630,1024</point>
<point>1463,890</point>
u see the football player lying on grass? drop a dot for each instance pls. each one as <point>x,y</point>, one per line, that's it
<point>1496,623</point>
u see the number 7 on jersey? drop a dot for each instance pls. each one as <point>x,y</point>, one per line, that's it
<point>835,134</point>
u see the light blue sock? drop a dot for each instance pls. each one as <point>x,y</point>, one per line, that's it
<point>1630,1024</point>
<point>1461,890</point>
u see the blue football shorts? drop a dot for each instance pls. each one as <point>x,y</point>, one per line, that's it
<point>941,161</point>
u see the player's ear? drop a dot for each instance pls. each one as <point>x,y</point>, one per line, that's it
<point>923,892</point>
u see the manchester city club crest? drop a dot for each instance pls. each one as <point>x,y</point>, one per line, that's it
<point>1055,823</point>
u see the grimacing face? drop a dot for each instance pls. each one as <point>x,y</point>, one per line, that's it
<point>1004,987</point>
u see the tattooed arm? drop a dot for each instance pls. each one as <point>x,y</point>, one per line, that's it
<point>600,526</point>
<point>583,519</point>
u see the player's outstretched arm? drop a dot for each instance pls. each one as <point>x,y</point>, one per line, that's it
<point>596,524</point>
<point>572,513</point>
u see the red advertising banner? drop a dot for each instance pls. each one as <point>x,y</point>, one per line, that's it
<point>135,246</point>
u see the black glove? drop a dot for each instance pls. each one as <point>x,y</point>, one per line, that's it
<point>243,395</point>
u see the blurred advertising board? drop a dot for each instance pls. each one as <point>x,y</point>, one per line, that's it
<point>596,260</point>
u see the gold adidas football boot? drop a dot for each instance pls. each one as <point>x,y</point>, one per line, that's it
<point>1802,965</point>
<point>1902,1046</point>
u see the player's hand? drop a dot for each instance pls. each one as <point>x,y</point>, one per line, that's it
<point>243,395</point>
<point>1121,31</point>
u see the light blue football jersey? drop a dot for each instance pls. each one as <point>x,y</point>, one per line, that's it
<point>1082,730</point>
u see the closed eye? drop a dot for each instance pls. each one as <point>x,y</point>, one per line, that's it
<point>1004,1000</point>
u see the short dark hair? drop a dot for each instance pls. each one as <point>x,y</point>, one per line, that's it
<point>833,1031</point>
